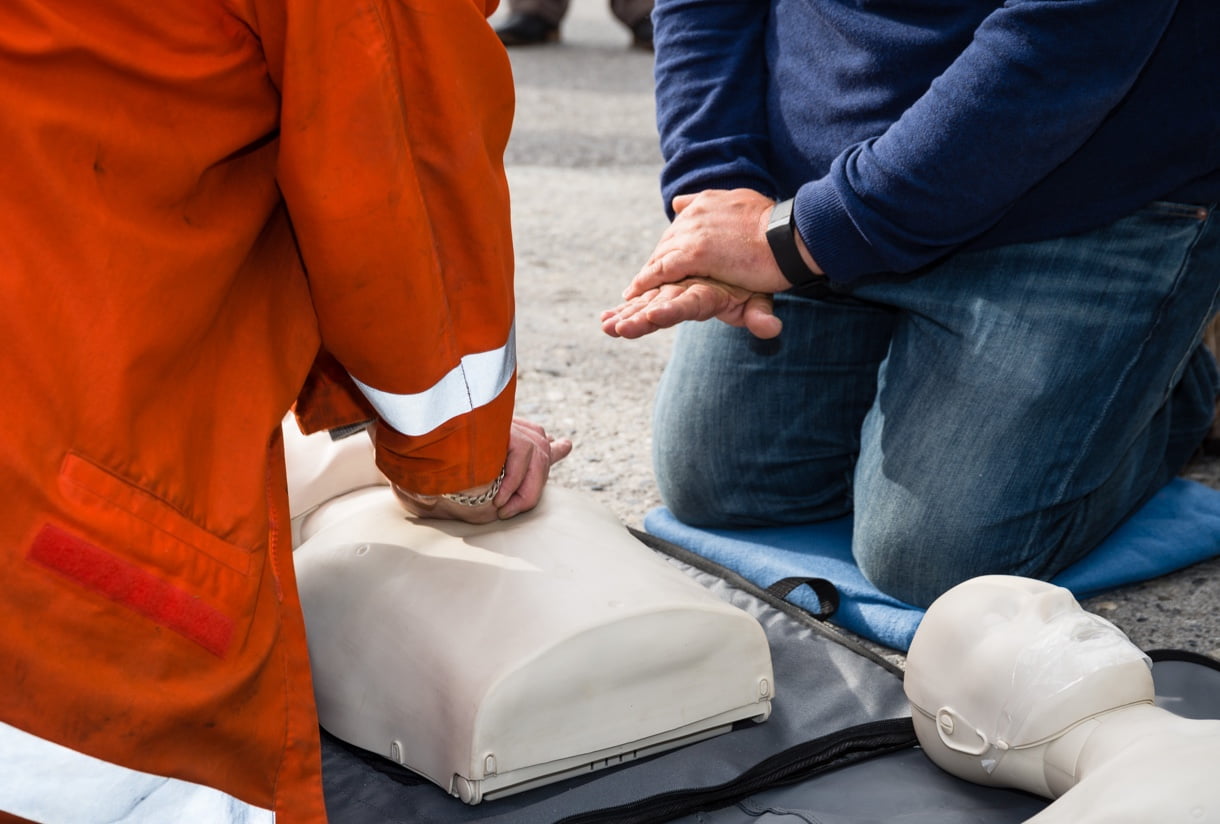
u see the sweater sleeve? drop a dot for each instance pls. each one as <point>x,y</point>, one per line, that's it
<point>1037,81</point>
<point>394,121</point>
<point>711,79</point>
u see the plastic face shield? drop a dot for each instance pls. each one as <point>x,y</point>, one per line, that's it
<point>1002,663</point>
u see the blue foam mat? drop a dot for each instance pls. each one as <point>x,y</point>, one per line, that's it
<point>1179,526</point>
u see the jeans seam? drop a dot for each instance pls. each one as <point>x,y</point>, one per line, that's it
<point>1089,439</point>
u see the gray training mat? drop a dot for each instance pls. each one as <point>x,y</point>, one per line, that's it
<point>838,748</point>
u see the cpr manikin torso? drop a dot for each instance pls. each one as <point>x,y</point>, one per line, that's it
<point>1012,684</point>
<point>491,658</point>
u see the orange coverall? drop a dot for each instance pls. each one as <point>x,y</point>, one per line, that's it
<point>199,200</point>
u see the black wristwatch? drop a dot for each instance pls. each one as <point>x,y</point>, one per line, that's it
<point>781,237</point>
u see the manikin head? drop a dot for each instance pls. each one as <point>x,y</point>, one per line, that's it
<point>1002,666</point>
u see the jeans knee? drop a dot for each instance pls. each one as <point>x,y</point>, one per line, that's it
<point>688,489</point>
<point>917,558</point>
<point>714,483</point>
<point>685,468</point>
<point>718,467</point>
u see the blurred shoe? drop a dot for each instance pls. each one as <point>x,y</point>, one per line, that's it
<point>527,30</point>
<point>641,35</point>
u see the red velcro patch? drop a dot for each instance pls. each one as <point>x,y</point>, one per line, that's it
<point>123,582</point>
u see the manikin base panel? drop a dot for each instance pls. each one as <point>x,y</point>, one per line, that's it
<point>492,786</point>
<point>491,659</point>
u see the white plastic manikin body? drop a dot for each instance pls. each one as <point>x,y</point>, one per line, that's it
<point>491,658</point>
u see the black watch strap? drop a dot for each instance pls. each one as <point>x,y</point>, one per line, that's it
<point>781,237</point>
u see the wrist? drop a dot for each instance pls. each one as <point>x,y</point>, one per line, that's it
<point>788,248</point>
<point>477,496</point>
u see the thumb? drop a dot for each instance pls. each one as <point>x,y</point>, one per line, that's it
<point>759,317</point>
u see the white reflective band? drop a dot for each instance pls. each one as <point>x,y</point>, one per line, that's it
<point>45,782</point>
<point>476,381</point>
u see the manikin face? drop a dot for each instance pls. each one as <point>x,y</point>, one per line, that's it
<point>1001,662</point>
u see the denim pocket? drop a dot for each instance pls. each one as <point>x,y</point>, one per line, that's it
<point>1168,209</point>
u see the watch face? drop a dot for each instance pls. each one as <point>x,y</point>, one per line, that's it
<point>781,216</point>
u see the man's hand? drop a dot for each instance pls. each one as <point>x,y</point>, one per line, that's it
<point>717,234</point>
<point>716,253</point>
<point>531,453</point>
<point>692,299</point>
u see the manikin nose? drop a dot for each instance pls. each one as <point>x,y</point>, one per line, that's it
<point>1053,603</point>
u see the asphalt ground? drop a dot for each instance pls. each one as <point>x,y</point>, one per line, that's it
<point>583,163</point>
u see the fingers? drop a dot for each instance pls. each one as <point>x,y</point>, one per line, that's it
<point>699,300</point>
<point>692,299</point>
<point>528,425</point>
<point>560,449</point>
<point>668,264</point>
<point>630,319</point>
<point>634,320</point>
<point>531,453</point>
<point>525,475</point>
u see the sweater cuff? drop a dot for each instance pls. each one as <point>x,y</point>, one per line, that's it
<point>830,234</point>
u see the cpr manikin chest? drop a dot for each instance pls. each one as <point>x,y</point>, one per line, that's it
<point>493,658</point>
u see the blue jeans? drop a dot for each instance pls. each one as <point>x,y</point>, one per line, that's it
<point>1000,412</point>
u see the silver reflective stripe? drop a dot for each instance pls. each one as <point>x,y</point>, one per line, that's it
<point>476,381</point>
<point>52,784</point>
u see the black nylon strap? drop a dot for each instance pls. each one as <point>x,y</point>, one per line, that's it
<point>828,596</point>
<point>838,749</point>
<point>781,237</point>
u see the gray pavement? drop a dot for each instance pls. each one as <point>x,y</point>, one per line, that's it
<point>583,164</point>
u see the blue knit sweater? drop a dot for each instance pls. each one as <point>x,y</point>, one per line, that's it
<point>908,129</point>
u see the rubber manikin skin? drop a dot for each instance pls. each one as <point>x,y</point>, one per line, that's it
<point>1012,684</point>
<point>491,658</point>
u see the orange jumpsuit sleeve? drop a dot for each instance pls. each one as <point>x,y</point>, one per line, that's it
<point>395,116</point>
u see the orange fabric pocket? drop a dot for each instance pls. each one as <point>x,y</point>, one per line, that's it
<point>136,550</point>
<point>87,483</point>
